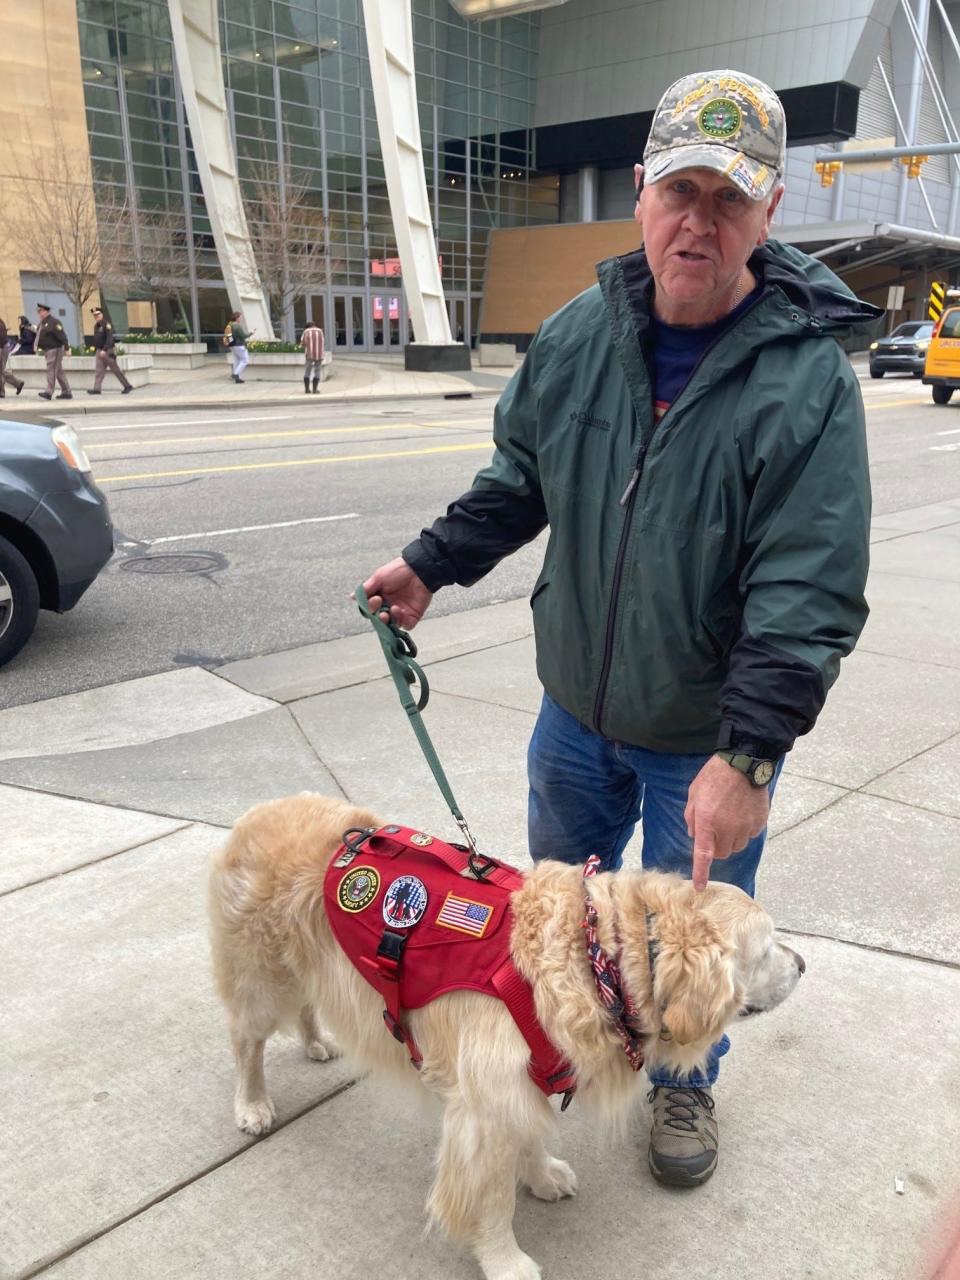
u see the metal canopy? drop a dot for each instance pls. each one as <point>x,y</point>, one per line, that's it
<point>851,246</point>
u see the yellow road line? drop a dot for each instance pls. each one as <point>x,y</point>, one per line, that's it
<point>893,404</point>
<point>306,462</point>
<point>270,435</point>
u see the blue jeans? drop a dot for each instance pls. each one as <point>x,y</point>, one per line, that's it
<point>587,794</point>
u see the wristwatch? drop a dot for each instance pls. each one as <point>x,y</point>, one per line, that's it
<point>759,773</point>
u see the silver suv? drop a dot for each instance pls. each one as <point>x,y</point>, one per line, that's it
<point>55,530</point>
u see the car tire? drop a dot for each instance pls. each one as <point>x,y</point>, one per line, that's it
<point>19,601</point>
<point>941,395</point>
<point>877,373</point>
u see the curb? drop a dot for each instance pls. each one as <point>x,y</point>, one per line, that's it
<point>53,408</point>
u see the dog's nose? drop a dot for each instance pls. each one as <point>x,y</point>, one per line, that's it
<point>798,959</point>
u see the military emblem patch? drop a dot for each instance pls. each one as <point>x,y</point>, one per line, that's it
<point>419,838</point>
<point>720,118</point>
<point>405,902</point>
<point>358,888</point>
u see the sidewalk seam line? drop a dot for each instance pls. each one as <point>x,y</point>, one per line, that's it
<point>320,760</point>
<point>897,534</point>
<point>894,657</point>
<point>872,947</point>
<point>58,875</point>
<point>180,1186</point>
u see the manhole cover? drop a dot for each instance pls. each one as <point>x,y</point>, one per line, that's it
<point>198,563</point>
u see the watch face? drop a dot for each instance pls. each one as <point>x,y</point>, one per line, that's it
<point>763,773</point>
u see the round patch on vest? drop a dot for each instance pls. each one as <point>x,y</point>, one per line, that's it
<point>405,902</point>
<point>419,838</point>
<point>358,888</point>
<point>391,831</point>
<point>720,118</point>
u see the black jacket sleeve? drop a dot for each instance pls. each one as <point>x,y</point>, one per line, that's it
<point>803,580</point>
<point>505,509</point>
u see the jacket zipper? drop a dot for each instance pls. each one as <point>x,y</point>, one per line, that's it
<point>629,499</point>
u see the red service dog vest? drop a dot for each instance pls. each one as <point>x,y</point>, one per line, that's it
<point>416,928</point>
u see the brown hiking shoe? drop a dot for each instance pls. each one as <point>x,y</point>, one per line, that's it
<point>683,1137</point>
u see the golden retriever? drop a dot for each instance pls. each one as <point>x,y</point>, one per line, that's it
<point>277,965</point>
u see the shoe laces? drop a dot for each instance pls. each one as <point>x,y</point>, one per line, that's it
<point>684,1106</point>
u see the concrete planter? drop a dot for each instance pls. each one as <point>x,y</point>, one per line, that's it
<point>80,371</point>
<point>281,366</point>
<point>498,354</point>
<point>171,355</point>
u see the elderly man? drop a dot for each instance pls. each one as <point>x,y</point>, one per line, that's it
<point>693,435</point>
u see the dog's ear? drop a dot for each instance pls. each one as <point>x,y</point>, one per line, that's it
<point>695,988</point>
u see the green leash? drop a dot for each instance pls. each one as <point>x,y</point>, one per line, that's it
<point>400,653</point>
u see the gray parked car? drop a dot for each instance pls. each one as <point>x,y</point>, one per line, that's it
<point>55,530</point>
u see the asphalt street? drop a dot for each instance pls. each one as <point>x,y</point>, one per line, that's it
<point>242,532</point>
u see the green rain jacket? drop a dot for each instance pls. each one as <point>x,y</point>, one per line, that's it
<point>705,574</point>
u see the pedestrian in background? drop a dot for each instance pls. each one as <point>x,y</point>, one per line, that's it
<point>26,339</point>
<point>312,343</point>
<point>6,379</point>
<point>104,341</point>
<point>236,337</point>
<point>54,343</point>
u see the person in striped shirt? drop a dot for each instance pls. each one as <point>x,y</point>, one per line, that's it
<point>312,343</point>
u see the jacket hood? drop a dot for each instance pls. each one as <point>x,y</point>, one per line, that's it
<point>812,287</point>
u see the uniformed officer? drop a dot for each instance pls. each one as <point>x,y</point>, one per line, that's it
<point>104,341</point>
<point>54,343</point>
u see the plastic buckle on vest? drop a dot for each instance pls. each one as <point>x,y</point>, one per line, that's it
<point>391,950</point>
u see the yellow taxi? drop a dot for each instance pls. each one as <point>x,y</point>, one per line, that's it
<point>941,369</point>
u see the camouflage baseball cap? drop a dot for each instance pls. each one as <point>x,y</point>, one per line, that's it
<point>720,120</point>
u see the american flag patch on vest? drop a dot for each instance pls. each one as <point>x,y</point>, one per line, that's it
<point>464,915</point>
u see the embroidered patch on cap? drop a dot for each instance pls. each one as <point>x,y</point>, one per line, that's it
<point>464,915</point>
<point>720,118</point>
<point>405,902</point>
<point>419,838</point>
<point>358,888</point>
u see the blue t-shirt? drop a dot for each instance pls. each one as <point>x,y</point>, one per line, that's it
<point>677,350</point>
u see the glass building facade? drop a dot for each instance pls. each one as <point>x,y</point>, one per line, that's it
<point>302,116</point>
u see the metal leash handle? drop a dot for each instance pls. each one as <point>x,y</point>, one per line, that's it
<point>400,651</point>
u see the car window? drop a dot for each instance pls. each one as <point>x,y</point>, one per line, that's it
<point>906,330</point>
<point>951,324</point>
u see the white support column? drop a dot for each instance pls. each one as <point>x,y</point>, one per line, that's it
<point>389,29</point>
<point>589,176</point>
<point>918,23</point>
<point>196,42</point>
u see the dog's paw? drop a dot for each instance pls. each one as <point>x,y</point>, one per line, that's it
<point>322,1049</point>
<point>521,1267</point>
<point>254,1117</point>
<point>553,1180</point>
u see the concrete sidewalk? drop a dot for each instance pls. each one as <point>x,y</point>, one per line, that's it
<point>351,379</point>
<point>839,1113</point>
